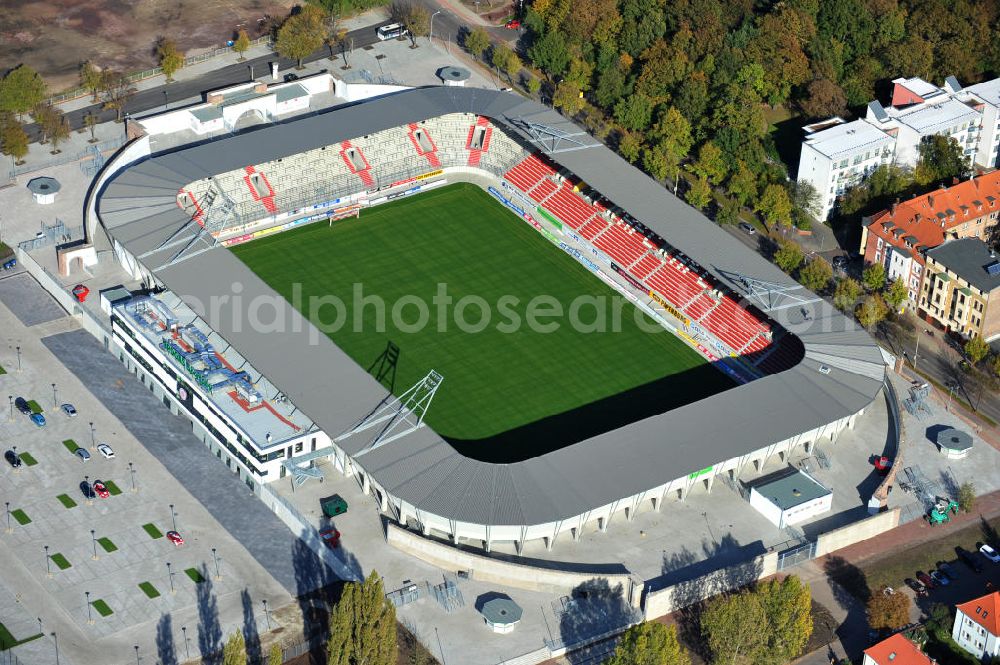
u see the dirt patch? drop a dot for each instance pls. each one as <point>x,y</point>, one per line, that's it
<point>55,36</point>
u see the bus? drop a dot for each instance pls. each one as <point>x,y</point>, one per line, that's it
<point>391,31</point>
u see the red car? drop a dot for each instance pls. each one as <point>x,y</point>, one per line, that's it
<point>80,292</point>
<point>101,490</point>
<point>513,25</point>
<point>882,464</point>
<point>175,538</point>
<point>926,580</point>
<point>331,537</point>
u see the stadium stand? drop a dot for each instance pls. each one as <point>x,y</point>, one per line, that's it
<point>479,140</point>
<point>529,172</point>
<point>543,190</point>
<point>647,264</point>
<point>356,162</point>
<point>593,228</point>
<point>424,144</point>
<point>569,207</point>
<point>622,246</point>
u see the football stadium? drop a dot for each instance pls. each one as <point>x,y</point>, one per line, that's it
<point>503,330</point>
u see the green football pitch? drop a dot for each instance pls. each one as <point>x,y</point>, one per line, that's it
<point>509,391</point>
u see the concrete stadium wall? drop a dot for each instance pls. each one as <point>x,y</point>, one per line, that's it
<point>678,596</point>
<point>486,569</point>
<point>831,541</point>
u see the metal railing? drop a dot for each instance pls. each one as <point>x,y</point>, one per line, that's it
<point>68,158</point>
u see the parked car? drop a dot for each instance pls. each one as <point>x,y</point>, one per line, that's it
<point>291,77</point>
<point>101,490</point>
<point>69,410</point>
<point>87,490</point>
<point>12,459</point>
<point>175,538</point>
<point>840,262</point>
<point>917,587</point>
<point>82,454</point>
<point>926,580</point>
<point>513,24</point>
<point>947,570</point>
<point>989,553</point>
<point>105,450</point>
<point>747,228</point>
<point>331,537</point>
<point>940,578</point>
<point>21,405</point>
<point>38,419</point>
<point>969,559</point>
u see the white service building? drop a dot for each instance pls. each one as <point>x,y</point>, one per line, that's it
<point>790,497</point>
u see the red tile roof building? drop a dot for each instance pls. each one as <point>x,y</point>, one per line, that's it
<point>897,238</point>
<point>896,650</point>
<point>976,627</point>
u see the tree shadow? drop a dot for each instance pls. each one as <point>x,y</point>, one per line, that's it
<point>317,589</point>
<point>165,649</point>
<point>949,484</point>
<point>250,635</point>
<point>990,535</point>
<point>850,590</point>
<point>209,629</point>
<point>594,608</point>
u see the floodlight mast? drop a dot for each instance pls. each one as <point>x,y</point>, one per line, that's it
<point>400,415</point>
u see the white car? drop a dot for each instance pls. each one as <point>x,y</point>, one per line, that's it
<point>69,410</point>
<point>105,450</point>
<point>989,553</point>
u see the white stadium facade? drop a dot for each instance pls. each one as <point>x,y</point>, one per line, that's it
<point>279,403</point>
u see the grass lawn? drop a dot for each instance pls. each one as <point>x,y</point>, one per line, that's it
<point>70,445</point>
<point>102,608</point>
<point>27,459</point>
<point>539,382</point>
<point>66,501</point>
<point>903,563</point>
<point>152,530</point>
<point>62,563</point>
<point>195,576</point>
<point>21,516</point>
<point>112,488</point>
<point>8,641</point>
<point>34,406</point>
<point>108,545</point>
<point>150,590</point>
<point>2,370</point>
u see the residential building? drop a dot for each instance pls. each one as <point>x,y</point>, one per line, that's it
<point>961,288</point>
<point>976,627</point>
<point>898,237</point>
<point>896,650</point>
<point>836,154</point>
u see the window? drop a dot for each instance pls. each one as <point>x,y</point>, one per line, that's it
<point>298,447</point>
<point>843,164</point>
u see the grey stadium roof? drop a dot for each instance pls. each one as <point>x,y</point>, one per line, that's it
<point>138,208</point>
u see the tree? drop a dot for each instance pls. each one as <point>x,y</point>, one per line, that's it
<point>700,194</point>
<point>116,90</point>
<point>888,610</point>
<point>775,205</point>
<point>789,256</point>
<point>630,145</point>
<point>845,295</point>
<point>170,58</point>
<point>235,650</point>
<point>301,34</point>
<point>21,90</point>
<point>966,496</point>
<point>90,79</point>
<point>363,626</point>
<point>649,643</point>
<point>823,99</point>
<point>871,311</point>
<point>939,158</point>
<point>14,141</point>
<point>45,116</point>
<point>816,274</point>
<point>476,42</point>
<point>896,294</point>
<point>568,98</point>
<point>787,605</point>
<point>59,131</point>
<point>415,18</point>
<point>275,657</point>
<point>805,198</point>
<point>534,85</point>
<point>504,59</point>
<point>976,349</point>
<point>873,276</point>
<point>729,212</point>
<point>733,628</point>
<point>241,44</point>
<point>550,53</point>
<point>709,164</point>
<point>634,112</point>
<point>742,184</point>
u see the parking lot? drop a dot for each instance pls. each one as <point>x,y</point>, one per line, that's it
<point>100,572</point>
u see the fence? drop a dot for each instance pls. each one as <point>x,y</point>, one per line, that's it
<point>133,77</point>
<point>90,152</point>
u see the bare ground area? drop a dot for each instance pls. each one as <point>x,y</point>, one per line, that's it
<point>55,36</point>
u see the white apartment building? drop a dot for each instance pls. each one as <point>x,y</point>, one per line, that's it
<point>918,110</point>
<point>976,628</point>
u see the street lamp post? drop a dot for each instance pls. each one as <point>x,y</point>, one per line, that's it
<point>10,398</point>
<point>55,402</point>
<point>55,641</point>
<point>215,557</point>
<point>131,473</point>
<point>170,576</point>
<point>90,618</point>
<point>7,506</point>
<point>187,648</point>
<point>267,619</point>
<point>173,517</point>
<point>430,37</point>
<point>136,647</point>
<point>93,540</point>
<point>48,563</point>
<point>93,437</point>
<point>18,359</point>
